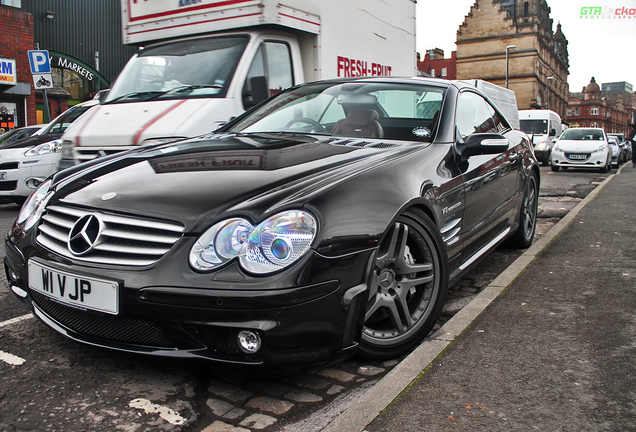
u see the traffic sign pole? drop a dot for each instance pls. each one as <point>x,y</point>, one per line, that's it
<point>41,66</point>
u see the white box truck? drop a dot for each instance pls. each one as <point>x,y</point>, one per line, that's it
<point>206,61</point>
<point>544,127</point>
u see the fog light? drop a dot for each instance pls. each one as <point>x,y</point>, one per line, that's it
<point>249,341</point>
<point>34,182</point>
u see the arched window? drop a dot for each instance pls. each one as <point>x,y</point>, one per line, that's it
<point>526,9</point>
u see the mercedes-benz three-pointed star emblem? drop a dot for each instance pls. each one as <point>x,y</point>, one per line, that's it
<point>84,235</point>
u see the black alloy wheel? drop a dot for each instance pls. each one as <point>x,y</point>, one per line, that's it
<point>527,215</point>
<point>408,288</point>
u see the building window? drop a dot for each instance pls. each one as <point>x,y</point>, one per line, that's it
<point>14,3</point>
<point>594,111</point>
<point>444,72</point>
<point>569,112</point>
<point>433,73</point>
<point>526,9</point>
<point>577,112</point>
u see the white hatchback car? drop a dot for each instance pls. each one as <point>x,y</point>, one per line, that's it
<point>582,148</point>
<point>26,163</point>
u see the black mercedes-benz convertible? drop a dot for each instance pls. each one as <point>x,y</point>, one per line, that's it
<point>327,221</point>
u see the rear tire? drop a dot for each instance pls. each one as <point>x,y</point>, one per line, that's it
<point>408,287</point>
<point>522,239</point>
<point>555,168</point>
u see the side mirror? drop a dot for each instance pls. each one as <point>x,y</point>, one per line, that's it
<point>256,90</point>
<point>101,96</point>
<point>552,132</point>
<point>482,144</point>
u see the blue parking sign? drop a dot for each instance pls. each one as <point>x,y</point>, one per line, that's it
<point>39,61</point>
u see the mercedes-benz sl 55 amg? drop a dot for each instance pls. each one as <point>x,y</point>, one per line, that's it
<point>326,221</point>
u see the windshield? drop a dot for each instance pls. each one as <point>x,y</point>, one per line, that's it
<point>583,135</point>
<point>63,121</point>
<point>180,70</point>
<point>534,126</point>
<point>365,110</point>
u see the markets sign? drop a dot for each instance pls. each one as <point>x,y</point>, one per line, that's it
<point>8,73</point>
<point>82,70</point>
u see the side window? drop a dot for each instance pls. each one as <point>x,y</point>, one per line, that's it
<point>279,64</point>
<point>270,73</point>
<point>476,115</point>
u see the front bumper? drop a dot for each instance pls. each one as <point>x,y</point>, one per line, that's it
<point>19,173</point>
<point>590,160</point>
<point>309,315</point>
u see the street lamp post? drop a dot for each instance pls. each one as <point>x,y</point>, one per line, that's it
<point>509,47</point>
<point>547,90</point>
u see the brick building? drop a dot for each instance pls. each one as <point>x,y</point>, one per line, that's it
<point>538,62</point>
<point>15,74</point>
<point>435,65</point>
<point>610,108</point>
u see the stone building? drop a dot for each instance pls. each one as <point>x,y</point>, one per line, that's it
<point>538,62</point>
<point>611,108</point>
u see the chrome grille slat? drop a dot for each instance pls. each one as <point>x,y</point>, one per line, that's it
<point>115,233</point>
<point>55,233</point>
<point>123,240</point>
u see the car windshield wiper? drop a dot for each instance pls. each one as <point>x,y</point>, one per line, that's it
<point>137,94</point>
<point>189,88</point>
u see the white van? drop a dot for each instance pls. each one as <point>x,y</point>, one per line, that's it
<point>543,126</point>
<point>504,98</point>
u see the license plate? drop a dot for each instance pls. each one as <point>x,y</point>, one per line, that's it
<point>578,156</point>
<point>3,175</point>
<point>75,290</point>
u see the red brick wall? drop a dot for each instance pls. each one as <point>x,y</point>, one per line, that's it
<point>17,39</point>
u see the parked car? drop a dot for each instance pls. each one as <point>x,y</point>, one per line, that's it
<point>19,134</point>
<point>582,148</point>
<point>326,221</point>
<point>617,151</point>
<point>26,163</point>
<point>626,146</point>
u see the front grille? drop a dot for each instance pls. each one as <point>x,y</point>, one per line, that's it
<point>9,166</point>
<point>108,327</point>
<point>8,185</point>
<point>122,240</point>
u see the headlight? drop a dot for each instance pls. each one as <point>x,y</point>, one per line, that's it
<point>557,148</point>
<point>542,145</point>
<point>46,148</point>
<point>33,208</point>
<point>601,149</point>
<point>272,245</point>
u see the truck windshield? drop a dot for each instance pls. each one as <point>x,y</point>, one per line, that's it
<point>534,126</point>
<point>179,70</point>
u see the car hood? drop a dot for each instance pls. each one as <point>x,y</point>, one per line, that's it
<point>579,145</point>
<point>199,180</point>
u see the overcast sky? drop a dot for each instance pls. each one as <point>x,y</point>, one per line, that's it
<point>602,48</point>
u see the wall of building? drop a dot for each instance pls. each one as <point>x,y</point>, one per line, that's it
<point>490,27</point>
<point>17,39</point>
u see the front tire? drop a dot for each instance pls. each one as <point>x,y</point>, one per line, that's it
<point>408,287</point>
